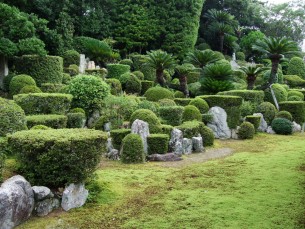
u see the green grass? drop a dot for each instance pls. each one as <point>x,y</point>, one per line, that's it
<point>260,186</point>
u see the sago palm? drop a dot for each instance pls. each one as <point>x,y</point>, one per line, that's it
<point>252,71</point>
<point>200,58</point>
<point>182,72</point>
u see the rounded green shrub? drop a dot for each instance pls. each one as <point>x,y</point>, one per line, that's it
<point>7,80</point>
<point>43,69</point>
<point>282,126</point>
<point>66,78</point>
<point>76,120</point>
<point>55,158</point>
<point>206,118</point>
<point>183,101</point>
<point>145,85</point>
<point>99,124</point>
<point>116,70</point>
<point>294,81</point>
<point>167,129</point>
<point>99,73</point>
<point>139,75</point>
<point>193,77</point>
<point>71,57</point>
<point>12,117</point>
<point>157,93</point>
<point>30,89</point>
<point>40,127</point>
<point>190,128</point>
<point>207,135</point>
<point>77,110</point>
<point>279,91</point>
<point>87,91</point>
<point>255,120</point>
<point>117,136</point>
<point>132,149</point>
<point>240,56</point>
<point>294,98</point>
<point>175,81</point>
<point>246,131</point>
<point>126,62</point>
<point>153,106</point>
<point>171,115</point>
<point>166,102</point>
<point>201,104</point>
<point>51,120</point>
<point>20,81</point>
<point>31,46</point>
<point>115,86</point>
<point>296,66</point>
<point>157,143</point>
<point>296,109</point>
<point>253,96</point>
<point>44,103</point>
<point>179,94</point>
<point>51,87</point>
<point>247,108</point>
<point>296,93</point>
<point>284,114</point>
<point>147,116</point>
<point>191,113</point>
<point>133,85</point>
<point>268,110</point>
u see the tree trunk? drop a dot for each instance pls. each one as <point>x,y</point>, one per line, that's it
<point>251,81</point>
<point>160,79</point>
<point>274,68</point>
<point>222,38</point>
<point>183,85</point>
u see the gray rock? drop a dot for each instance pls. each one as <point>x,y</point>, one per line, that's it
<point>16,202</point>
<point>234,134</point>
<point>41,192</point>
<point>82,63</point>
<point>164,157</point>
<point>187,146</point>
<point>93,118</point>
<point>114,155</point>
<point>270,130</point>
<point>44,207</point>
<point>263,124</point>
<point>175,143</point>
<point>109,145</point>
<point>197,144</point>
<point>74,196</point>
<point>107,126</point>
<point>296,127</point>
<point>141,128</point>
<point>219,124</point>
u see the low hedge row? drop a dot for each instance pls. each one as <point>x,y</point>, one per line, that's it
<point>76,120</point>
<point>117,136</point>
<point>157,143</point>
<point>171,115</point>
<point>256,97</point>
<point>116,70</point>
<point>190,129</point>
<point>53,121</point>
<point>296,109</point>
<point>51,87</point>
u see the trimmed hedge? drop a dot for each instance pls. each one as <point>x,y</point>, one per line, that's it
<point>255,120</point>
<point>133,85</point>
<point>166,103</point>
<point>44,103</point>
<point>55,158</point>
<point>43,69</point>
<point>182,101</point>
<point>53,121</point>
<point>139,75</point>
<point>30,89</point>
<point>246,131</point>
<point>166,129</point>
<point>296,93</point>
<point>76,120</point>
<point>40,127</point>
<point>116,70</point>
<point>179,94</point>
<point>71,57</point>
<point>231,104</point>
<point>279,91</point>
<point>20,81</point>
<point>268,110</point>
<point>284,114</point>
<point>191,113</point>
<point>207,135</point>
<point>294,98</point>
<point>132,149</point>
<point>126,62</point>
<point>12,117</point>
<point>156,93</point>
<point>201,104</point>
<point>99,73</point>
<point>115,86</point>
<point>171,115</point>
<point>157,143</point>
<point>193,77</point>
<point>117,137</point>
<point>282,126</point>
<point>296,66</point>
<point>294,80</point>
<point>296,109</point>
<point>147,116</point>
<point>145,85</point>
<point>255,97</point>
<point>51,87</point>
<point>153,106</point>
<point>190,129</point>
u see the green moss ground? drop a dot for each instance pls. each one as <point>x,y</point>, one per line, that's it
<point>260,186</point>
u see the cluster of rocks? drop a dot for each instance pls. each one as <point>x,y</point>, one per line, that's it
<point>19,200</point>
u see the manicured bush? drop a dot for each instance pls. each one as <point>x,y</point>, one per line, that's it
<point>77,110</point>
<point>247,108</point>
<point>100,123</point>
<point>294,81</point>
<point>190,129</point>
<point>296,93</point>
<point>7,80</point>
<point>153,106</point>
<point>296,109</point>
<point>76,120</point>
<point>30,89</point>
<point>117,136</point>
<point>124,78</point>
<point>256,97</point>
<point>207,135</point>
<point>87,91</point>
<point>55,158</point>
<point>126,62</point>
<point>31,46</point>
<point>133,85</point>
<point>246,131</point>
<point>284,114</point>
<point>240,56</point>
<point>191,113</point>
<point>20,81</point>
<point>268,110</point>
<point>179,94</point>
<point>99,73</point>
<point>149,117</point>
<point>182,101</point>
<point>195,89</point>
<point>282,126</point>
<point>193,77</point>
<point>12,117</point>
<point>157,93</point>
<point>115,86</point>
<point>116,70</point>
<point>145,85</point>
<point>40,127</point>
<point>294,98</point>
<point>52,120</point>
<point>296,66</point>
<point>206,118</point>
<point>139,75</point>
<point>51,87</point>
<point>166,103</point>
<point>279,91</point>
<point>71,57</point>
<point>43,69</point>
<point>255,120</point>
<point>157,143</point>
<point>171,115</point>
<point>66,78</point>
<point>44,103</point>
<point>166,129</point>
<point>133,149</point>
<point>231,104</point>
<point>201,104</point>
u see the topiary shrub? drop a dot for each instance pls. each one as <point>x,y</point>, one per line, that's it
<point>30,89</point>
<point>166,103</point>
<point>255,97</point>
<point>255,120</point>
<point>20,81</point>
<point>294,81</point>
<point>195,89</point>
<point>193,77</point>
<point>296,66</point>
<point>182,101</point>
<point>115,86</point>
<point>201,104</point>
<point>117,137</point>
<point>44,103</point>
<point>296,93</point>
<point>139,75</point>
<point>132,149</point>
<point>40,127</point>
<point>99,73</point>
<point>268,110</point>
<point>149,117</point>
<point>294,98</point>
<point>71,57</point>
<point>207,135</point>
<point>126,62</point>
<point>31,46</point>
<point>133,85</point>
<point>171,115</point>
<point>43,69</point>
<point>153,106</point>
<point>55,158</point>
<point>157,93</point>
<point>191,113</point>
<point>7,80</point>
<point>76,120</point>
<point>240,56</point>
<point>190,129</point>
<point>279,91</point>
<point>77,110</point>
<point>116,70</point>
<point>231,104</point>
<point>87,91</point>
<point>206,118</point>
<point>51,87</point>
<point>246,131</point>
<point>247,108</point>
<point>296,109</point>
<point>12,117</point>
<point>52,120</point>
<point>284,114</point>
<point>157,143</point>
<point>145,85</point>
<point>282,126</point>
<point>166,129</point>
<point>179,94</point>
<point>66,78</point>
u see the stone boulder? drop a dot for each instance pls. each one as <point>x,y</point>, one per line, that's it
<point>44,207</point>
<point>176,142</point>
<point>74,196</point>
<point>114,154</point>
<point>41,192</point>
<point>16,202</point>
<point>164,157</point>
<point>296,127</point>
<point>263,126</point>
<point>197,144</point>
<point>141,128</point>
<point>219,124</point>
<point>270,130</point>
<point>187,145</point>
